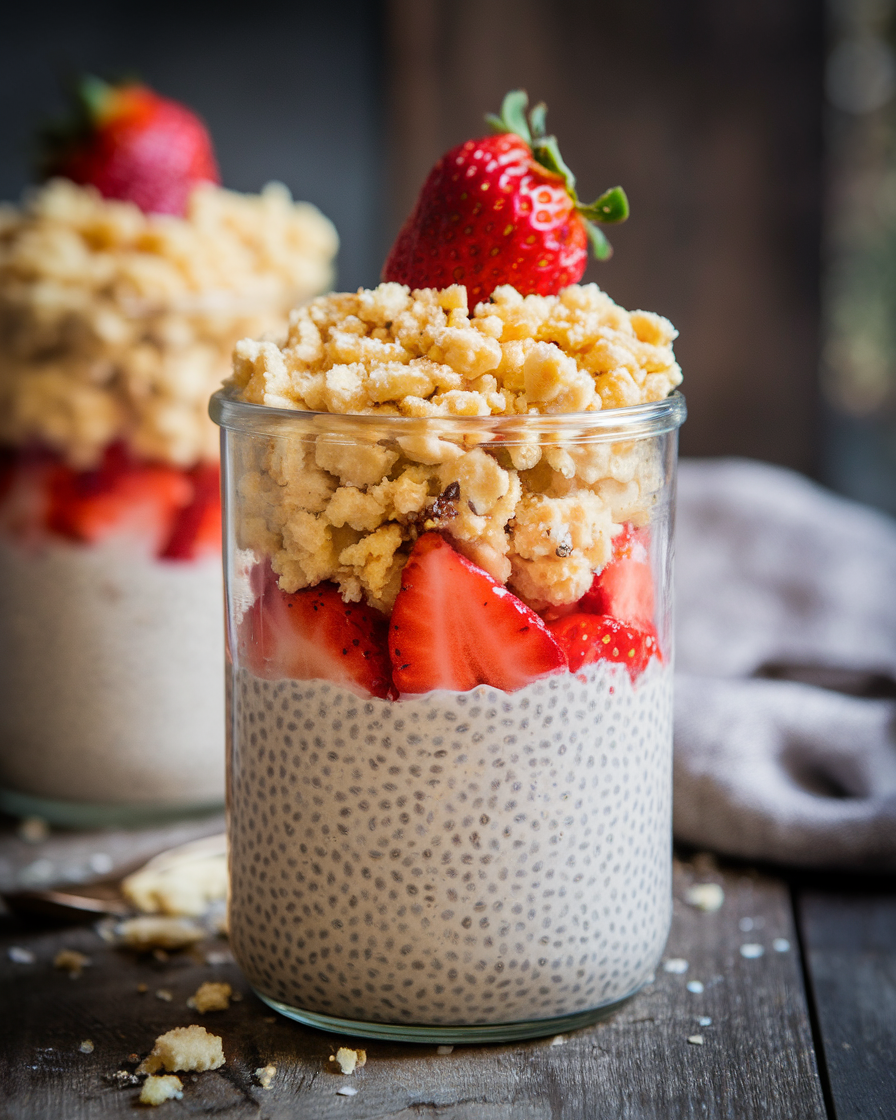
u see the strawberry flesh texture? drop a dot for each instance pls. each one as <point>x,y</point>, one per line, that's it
<point>454,627</point>
<point>488,214</point>
<point>587,638</point>
<point>197,527</point>
<point>624,587</point>
<point>315,635</point>
<point>144,149</point>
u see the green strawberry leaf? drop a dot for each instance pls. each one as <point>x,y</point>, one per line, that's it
<point>537,120</point>
<point>602,248</point>
<point>612,206</point>
<point>547,152</point>
<point>513,115</point>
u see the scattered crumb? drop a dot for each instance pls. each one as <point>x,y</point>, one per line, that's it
<point>33,830</point>
<point>237,997</point>
<point>675,964</point>
<point>211,996</point>
<point>745,925</point>
<point>157,1090</point>
<point>185,888</point>
<point>751,951</point>
<point>142,989</point>
<point>18,955</point>
<point>346,1091</point>
<point>695,1039</point>
<point>444,1049</point>
<point>123,1079</point>
<point>781,945</point>
<point>846,1045</point>
<point>159,933</point>
<point>349,1060</point>
<point>217,957</point>
<point>269,1019</point>
<point>694,986</point>
<point>558,1040</point>
<point>704,1021</point>
<point>184,1048</point>
<point>86,1046</point>
<point>264,1075</point>
<point>705,896</point>
<point>160,955</point>
<point>164,994</point>
<point>71,961</point>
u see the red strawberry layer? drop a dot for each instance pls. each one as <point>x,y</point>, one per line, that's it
<point>624,587</point>
<point>453,626</point>
<point>588,638</point>
<point>174,514</point>
<point>315,635</point>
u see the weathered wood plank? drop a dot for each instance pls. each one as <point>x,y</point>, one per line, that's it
<point>756,1059</point>
<point>850,946</point>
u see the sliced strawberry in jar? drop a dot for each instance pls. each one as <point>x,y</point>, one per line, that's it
<point>587,638</point>
<point>453,626</point>
<point>624,587</point>
<point>314,635</point>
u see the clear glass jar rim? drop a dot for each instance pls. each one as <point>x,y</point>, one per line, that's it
<point>633,421</point>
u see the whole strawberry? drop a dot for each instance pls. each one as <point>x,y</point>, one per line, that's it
<point>132,144</point>
<point>503,210</point>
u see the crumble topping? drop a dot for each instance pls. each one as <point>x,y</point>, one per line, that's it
<point>538,513</point>
<point>117,325</point>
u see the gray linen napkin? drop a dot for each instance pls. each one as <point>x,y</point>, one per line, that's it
<point>785,711</point>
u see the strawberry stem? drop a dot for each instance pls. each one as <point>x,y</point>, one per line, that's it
<point>612,206</point>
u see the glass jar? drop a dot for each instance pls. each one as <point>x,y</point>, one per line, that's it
<point>450,865</point>
<point>111,650</point>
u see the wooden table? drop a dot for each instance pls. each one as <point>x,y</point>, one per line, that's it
<point>804,1029</point>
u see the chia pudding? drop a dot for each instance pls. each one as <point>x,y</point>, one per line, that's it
<point>456,858</point>
<point>112,676</point>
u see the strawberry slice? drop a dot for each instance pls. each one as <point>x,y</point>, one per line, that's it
<point>455,627</point>
<point>624,587</point>
<point>119,500</point>
<point>586,638</point>
<point>314,635</point>
<point>197,527</point>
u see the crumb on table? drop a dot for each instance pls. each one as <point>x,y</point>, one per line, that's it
<point>349,1060</point>
<point>184,1048</point>
<point>211,996</point>
<point>71,961</point>
<point>157,1090</point>
<point>159,933</point>
<point>264,1075</point>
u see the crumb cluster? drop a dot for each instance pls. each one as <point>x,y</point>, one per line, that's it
<point>116,324</point>
<point>536,511</point>
<point>184,1048</point>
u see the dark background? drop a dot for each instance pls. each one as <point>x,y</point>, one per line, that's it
<point>708,112</point>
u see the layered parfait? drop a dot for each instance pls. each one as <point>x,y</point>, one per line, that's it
<point>448,588</point>
<point>125,280</point>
